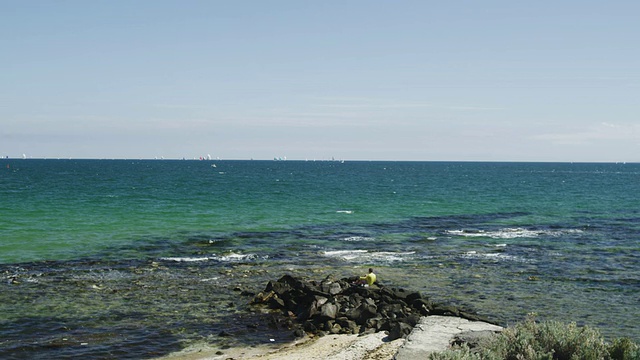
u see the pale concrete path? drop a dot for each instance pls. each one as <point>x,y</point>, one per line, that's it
<point>434,334</point>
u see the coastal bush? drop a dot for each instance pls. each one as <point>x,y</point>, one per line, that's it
<point>530,340</point>
<point>552,340</point>
<point>464,353</point>
<point>623,349</point>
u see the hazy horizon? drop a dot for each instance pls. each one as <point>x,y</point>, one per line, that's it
<point>362,80</point>
<point>275,159</point>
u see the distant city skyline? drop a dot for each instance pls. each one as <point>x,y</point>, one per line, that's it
<point>355,80</point>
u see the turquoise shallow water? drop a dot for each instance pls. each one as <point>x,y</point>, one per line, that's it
<point>130,258</point>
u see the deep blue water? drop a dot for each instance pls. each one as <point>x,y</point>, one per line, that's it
<point>135,257</point>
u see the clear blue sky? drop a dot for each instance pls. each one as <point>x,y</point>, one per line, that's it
<point>368,80</point>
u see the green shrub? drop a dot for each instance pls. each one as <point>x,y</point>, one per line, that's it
<point>549,340</point>
<point>463,353</point>
<point>624,349</point>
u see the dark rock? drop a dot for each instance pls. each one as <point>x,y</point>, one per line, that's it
<point>392,310</point>
<point>277,287</point>
<point>411,297</point>
<point>424,306</point>
<point>277,303</point>
<point>298,333</point>
<point>332,286</point>
<point>412,320</point>
<point>335,329</point>
<point>328,311</point>
<point>445,310</point>
<point>351,279</point>
<point>401,294</point>
<point>309,326</point>
<point>362,313</point>
<point>349,325</point>
<point>335,288</point>
<point>338,307</point>
<point>381,324</point>
<point>473,339</point>
<point>399,330</point>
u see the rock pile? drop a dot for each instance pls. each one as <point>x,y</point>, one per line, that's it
<point>338,307</point>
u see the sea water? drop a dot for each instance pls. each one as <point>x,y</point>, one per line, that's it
<point>137,258</point>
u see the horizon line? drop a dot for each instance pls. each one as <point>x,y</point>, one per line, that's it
<point>323,160</point>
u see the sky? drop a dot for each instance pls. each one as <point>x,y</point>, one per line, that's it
<point>355,80</point>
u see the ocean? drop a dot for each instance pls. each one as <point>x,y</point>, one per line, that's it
<point>139,258</point>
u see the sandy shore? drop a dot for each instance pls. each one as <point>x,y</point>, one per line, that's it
<point>433,333</point>
<point>339,347</point>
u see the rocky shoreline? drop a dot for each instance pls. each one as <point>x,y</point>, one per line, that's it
<point>334,318</point>
<point>334,306</point>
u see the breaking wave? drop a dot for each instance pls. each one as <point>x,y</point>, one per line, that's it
<point>358,238</point>
<point>492,256</point>
<point>365,255</point>
<point>232,257</point>
<point>185,259</point>
<point>512,233</point>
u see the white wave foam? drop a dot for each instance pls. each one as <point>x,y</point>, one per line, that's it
<point>365,255</point>
<point>185,259</point>
<point>345,211</point>
<point>345,254</point>
<point>392,256</point>
<point>512,233</point>
<point>495,256</point>
<point>233,257</point>
<point>357,238</point>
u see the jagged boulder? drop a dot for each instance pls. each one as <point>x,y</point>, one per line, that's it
<point>328,311</point>
<point>338,307</point>
<point>399,330</point>
<point>362,313</point>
